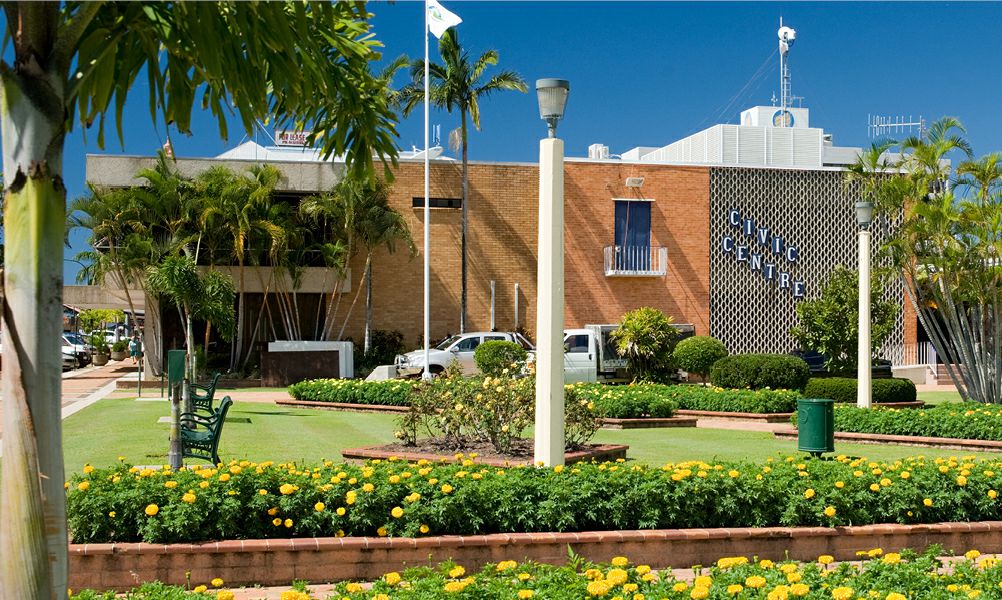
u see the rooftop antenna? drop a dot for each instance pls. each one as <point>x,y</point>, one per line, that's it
<point>787,35</point>
<point>878,126</point>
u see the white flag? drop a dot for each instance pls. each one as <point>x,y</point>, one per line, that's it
<point>440,19</point>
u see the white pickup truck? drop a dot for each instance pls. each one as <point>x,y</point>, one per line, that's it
<point>457,347</point>
<point>590,354</point>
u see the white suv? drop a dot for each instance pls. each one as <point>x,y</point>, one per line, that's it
<point>457,347</point>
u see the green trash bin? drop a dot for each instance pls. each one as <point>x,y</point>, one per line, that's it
<point>816,425</point>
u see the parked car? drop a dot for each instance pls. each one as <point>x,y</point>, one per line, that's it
<point>457,347</point>
<point>80,347</point>
<point>70,358</point>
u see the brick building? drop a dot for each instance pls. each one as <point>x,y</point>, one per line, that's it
<point>726,230</point>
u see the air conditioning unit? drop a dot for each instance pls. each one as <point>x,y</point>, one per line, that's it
<point>634,182</point>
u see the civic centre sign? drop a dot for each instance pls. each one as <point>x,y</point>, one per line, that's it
<point>762,251</point>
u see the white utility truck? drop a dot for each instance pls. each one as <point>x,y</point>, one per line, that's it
<point>590,354</point>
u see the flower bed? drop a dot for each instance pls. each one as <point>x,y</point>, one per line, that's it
<point>394,498</point>
<point>962,421</point>
<point>879,575</point>
<point>395,392</point>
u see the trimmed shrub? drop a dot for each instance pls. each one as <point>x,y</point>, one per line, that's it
<point>969,421</point>
<point>395,392</point>
<point>843,389</point>
<point>758,371</point>
<point>494,357</point>
<point>245,500</point>
<point>698,353</point>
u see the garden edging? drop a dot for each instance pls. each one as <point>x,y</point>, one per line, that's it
<point>905,440</point>
<point>121,566</point>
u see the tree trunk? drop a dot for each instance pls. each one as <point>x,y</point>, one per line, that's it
<point>238,337</point>
<point>368,305</point>
<point>33,548</point>
<point>152,341</point>
<point>466,209</point>
<point>354,301</point>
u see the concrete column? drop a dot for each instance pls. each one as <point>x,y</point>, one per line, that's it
<point>549,426</point>
<point>864,391</point>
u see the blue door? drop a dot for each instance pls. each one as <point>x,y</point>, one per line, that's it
<point>633,235</point>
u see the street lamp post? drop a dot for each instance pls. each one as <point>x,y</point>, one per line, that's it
<point>864,216</point>
<point>549,424</point>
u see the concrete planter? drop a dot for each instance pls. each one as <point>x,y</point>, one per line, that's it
<point>100,360</point>
<point>119,355</point>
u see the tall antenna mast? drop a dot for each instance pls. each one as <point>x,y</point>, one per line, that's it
<point>787,35</point>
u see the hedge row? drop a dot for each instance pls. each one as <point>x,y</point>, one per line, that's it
<point>395,392</point>
<point>843,389</point>
<point>248,500</point>
<point>879,575</point>
<point>760,371</point>
<point>619,402</point>
<point>946,420</point>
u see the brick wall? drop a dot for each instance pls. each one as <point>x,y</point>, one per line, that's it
<point>503,231</point>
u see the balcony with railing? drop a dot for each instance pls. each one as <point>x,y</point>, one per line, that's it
<point>636,261</point>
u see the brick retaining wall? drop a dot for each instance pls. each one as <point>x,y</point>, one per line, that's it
<point>279,561</point>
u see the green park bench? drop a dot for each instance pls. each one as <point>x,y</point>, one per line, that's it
<point>202,395</point>
<point>200,433</point>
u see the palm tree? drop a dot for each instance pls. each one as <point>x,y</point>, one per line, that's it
<point>925,155</point>
<point>983,175</point>
<point>334,217</point>
<point>458,84</point>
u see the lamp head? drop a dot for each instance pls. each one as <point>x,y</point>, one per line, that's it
<point>864,213</point>
<point>552,95</point>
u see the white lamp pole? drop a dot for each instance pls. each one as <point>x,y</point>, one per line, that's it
<point>864,215</point>
<point>549,424</point>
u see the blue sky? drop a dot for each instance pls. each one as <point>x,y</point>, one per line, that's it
<point>648,73</point>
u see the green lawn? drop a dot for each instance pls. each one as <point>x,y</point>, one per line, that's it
<point>261,431</point>
<point>939,397</point>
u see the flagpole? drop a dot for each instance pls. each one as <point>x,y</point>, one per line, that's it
<point>427,212</point>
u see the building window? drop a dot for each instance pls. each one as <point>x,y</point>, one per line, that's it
<point>437,202</point>
<point>633,235</point>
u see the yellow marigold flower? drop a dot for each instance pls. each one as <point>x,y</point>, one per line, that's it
<point>382,532</point>
<point>643,569</point>
<point>699,592</point>
<point>368,487</point>
<point>447,489</point>
<point>630,587</point>
<point>755,581</point>
<point>616,577</point>
<point>681,586</point>
<point>733,473</point>
<point>88,469</point>
<point>319,507</point>
<point>397,512</point>
<point>993,494</point>
<point>896,596</point>
<point>874,487</point>
<point>526,576</point>
<point>972,554</point>
<point>203,484</point>
<point>598,588</point>
<point>875,552</point>
<point>224,595</point>
<point>766,563</point>
<point>392,578</point>
<point>170,484</point>
<point>734,589</point>
<point>809,493</point>
<point>504,565</point>
<point>263,492</point>
<point>217,582</point>
<point>780,592</point>
<point>799,589</point>
<point>788,568</point>
<point>151,510</point>
<point>199,589</point>
<point>83,486</point>
<point>961,481</point>
<point>793,577</point>
<point>340,511</point>
<point>826,559</point>
<point>224,477</point>
<point>830,511</point>
<point>987,563</point>
<point>457,571</point>
<point>189,498</point>
<point>287,522</point>
<point>891,558</point>
<point>905,475</point>
<point>524,594</point>
<point>619,561</point>
<point>927,502</point>
<point>286,489</point>
<point>703,581</point>
<point>839,484</point>
<point>112,514</point>
<point>842,593</point>
<point>353,588</point>
<point>276,522</point>
<point>423,529</point>
<point>885,482</point>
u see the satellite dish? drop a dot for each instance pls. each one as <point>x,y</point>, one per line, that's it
<point>787,35</point>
